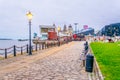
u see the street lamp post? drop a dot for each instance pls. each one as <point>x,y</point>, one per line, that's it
<point>76,27</point>
<point>29,16</point>
<point>59,36</point>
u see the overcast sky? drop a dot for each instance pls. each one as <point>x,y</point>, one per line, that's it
<point>94,13</point>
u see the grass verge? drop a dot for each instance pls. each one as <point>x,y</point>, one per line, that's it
<point>108,58</point>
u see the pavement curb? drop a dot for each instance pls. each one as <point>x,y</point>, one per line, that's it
<point>96,74</point>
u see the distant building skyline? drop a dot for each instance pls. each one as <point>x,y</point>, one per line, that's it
<point>94,13</point>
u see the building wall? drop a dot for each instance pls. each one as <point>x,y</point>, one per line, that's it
<point>44,29</point>
<point>87,32</point>
<point>110,30</point>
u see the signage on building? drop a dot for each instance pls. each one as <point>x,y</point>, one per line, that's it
<point>85,27</point>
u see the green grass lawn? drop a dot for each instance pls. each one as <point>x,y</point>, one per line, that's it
<point>108,58</point>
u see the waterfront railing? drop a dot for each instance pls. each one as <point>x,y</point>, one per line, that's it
<point>16,50</point>
<point>13,50</point>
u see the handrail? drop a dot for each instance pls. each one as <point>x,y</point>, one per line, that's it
<point>10,51</point>
<point>20,46</point>
<point>25,48</point>
<point>9,48</point>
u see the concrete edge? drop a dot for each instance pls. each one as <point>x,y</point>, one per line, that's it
<point>96,74</point>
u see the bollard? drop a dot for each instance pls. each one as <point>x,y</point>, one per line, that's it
<point>5,53</point>
<point>21,50</point>
<point>84,63</point>
<point>86,47</point>
<point>42,46</point>
<point>39,46</point>
<point>86,43</point>
<point>14,50</point>
<point>82,57</point>
<point>27,48</point>
<point>36,47</point>
<point>32,48</point>
<point>47,45</point>
<point>58,43</point>
<point>89,63</point>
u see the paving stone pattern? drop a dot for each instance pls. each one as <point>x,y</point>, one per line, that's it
<point>63,65</point>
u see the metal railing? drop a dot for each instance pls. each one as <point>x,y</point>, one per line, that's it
<point>14,50</point>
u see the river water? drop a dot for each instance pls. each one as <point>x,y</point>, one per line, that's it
<point>9,43</point>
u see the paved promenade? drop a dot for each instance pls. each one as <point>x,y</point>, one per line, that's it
<point>58,63</point>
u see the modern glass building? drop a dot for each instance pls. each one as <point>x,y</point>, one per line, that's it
<point>88,31</point>
<point>110,30</point>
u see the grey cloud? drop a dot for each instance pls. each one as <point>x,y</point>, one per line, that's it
<point>94,13</point>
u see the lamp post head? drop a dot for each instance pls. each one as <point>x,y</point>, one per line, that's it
<point>29,16</point>
<point>59,28</point>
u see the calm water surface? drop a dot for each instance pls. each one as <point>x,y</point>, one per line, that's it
<point>9,43</point>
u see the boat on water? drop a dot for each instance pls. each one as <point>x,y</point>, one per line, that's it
<point>22,39</point>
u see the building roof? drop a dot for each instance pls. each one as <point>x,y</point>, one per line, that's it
<point>47,26</point>
<point>88,29</point>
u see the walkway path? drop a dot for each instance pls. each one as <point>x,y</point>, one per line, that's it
<point>59,63</point>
